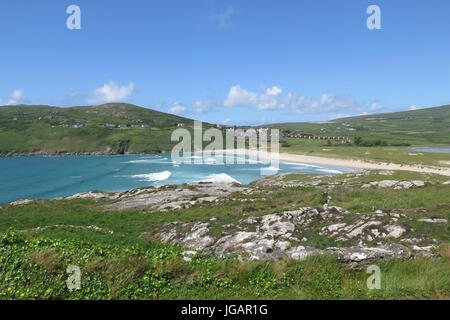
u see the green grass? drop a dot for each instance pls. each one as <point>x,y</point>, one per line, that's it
<point>417,127</point>
<point>36,269</point>
<point>122,265</point>
<point>399,131</point>
<point>387,154</point>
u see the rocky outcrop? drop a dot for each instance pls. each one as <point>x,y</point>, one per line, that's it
<point>357,256</point>
<point>397,185</point>
<point>21,202</point>
<point>327,181</point>
<point>175,197</point>
<point>277,236</point>
<point>433,220</point>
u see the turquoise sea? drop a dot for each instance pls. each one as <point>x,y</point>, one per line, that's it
<point>50,177</point>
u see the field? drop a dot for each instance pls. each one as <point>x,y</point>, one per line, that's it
<point>430,126</point>
<point>383,137</point>
<point>118,263</point>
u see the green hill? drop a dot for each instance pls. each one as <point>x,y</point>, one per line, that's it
<point>120,128</point>
<point>416,127</point>
<point>114,127</point>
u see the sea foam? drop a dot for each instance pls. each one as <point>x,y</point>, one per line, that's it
<point>220,177</point>
<point>155,176</point>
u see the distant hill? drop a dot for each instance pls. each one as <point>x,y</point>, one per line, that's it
<point>430,125</point>
<point>124,128</point>
<point>114,128</point>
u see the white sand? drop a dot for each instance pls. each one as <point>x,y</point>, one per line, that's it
<point>358,164</point>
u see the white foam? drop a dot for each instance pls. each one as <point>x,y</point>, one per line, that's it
<point>219,177</point>
<point>163,160</point>
<point>329,171</point>
<point>272,168</point>
<point>300,164</point>
<point>156,176</point>
<point>269,171</point>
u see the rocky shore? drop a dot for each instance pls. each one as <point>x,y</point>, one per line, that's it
<point>356,238</point>
<point>7,154</point>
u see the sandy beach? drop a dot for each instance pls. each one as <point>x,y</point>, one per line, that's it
<point>355,164</point>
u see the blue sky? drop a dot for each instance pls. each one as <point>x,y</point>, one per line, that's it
<point>227,61</point>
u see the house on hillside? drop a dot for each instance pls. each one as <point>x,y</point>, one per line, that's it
<point>79,125</point>
<point>110,125</point>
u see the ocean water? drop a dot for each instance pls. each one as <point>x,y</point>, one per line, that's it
<point>50,177</point>
<point>432,149</point>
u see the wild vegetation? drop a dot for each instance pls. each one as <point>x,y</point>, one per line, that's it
<point>40,239</point>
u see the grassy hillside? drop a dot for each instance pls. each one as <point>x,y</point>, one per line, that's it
<point>112,127</point>
<point>416,127</point>
<point>382,137</point>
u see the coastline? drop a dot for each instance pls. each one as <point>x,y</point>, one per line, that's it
<point>354,164</point>
<point>13,154</point>
<point>301,159</point>
<point>335,162</point>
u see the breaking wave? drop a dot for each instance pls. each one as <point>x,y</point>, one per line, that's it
<point>220,177</point>
<point>156,176</point>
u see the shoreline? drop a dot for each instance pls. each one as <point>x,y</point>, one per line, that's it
<point>301,159</point>
<point>78,153</point>
<point>353,164</point>
<point>333,162</point>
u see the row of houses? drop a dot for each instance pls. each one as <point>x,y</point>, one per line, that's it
<point>134,126</point>
<point>112,125</point>
<point>292,134</point>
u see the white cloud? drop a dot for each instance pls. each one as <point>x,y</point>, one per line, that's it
<point>263,101</point>
<point>202,106</point>
<point>111,92</point>
<point>413,107</point>
<point>178,108</point>
<point>374,106</point>
<point>223,18</point>
<point>17,97</point>
<point>272,98</point>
